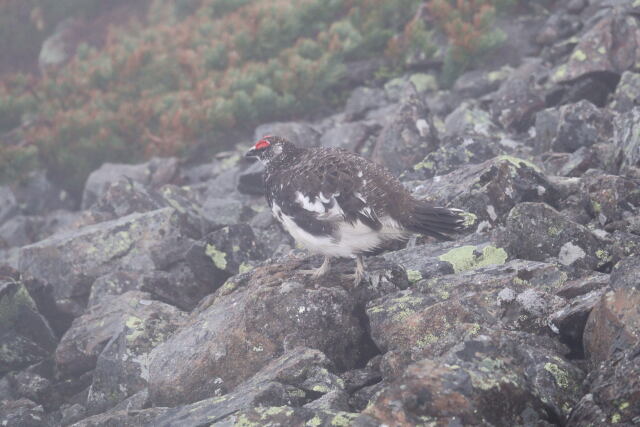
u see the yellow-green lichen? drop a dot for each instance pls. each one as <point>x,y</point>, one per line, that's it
<point>343,419</point>
<point>474,329</point>
<point>579,55</point>
<point>596,206</point>
<point>469,219</point>
<point>560,376</point>
<point>560,73</point>
<point>243,421</point>
<point>624,405</point>
<point>615,418</point>
<point>426,340</point>
<point>414,276</point>
<point>518,162</point>
<point>443,294</point>
<point>425,164</point>
<point>244,267</point>
<point>320,388</point>
<point>553,231</point>
<point>465,257</point>
<point>424,82</point>
<point>314,422</point>
<point>10,305</point>
<point>219,258</point>
<point>603,257</point>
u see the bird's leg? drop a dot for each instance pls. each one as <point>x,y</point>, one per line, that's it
<point>359,270</point>
<point>320,271</point>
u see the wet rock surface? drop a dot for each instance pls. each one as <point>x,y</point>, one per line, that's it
<point>172,297</point>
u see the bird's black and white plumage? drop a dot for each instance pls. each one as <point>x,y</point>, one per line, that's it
<point>339,204</point>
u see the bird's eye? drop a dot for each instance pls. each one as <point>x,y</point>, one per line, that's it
<point>262,144</point>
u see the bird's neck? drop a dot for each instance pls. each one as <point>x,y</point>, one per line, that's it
<point>287,158</point>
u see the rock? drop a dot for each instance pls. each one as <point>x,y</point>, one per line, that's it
<point>223,253</point>
<point>301,134</point>
<point>557,27</point>
<point>122,368</point>
<point>454,152</point>
<point>18,231</point>
<point>627,94</point>
<point>251,180</point>
<point>8,204</point>
<point>81,345</point>
<point>517,101</point>
<point>613,393</point>
<point>609,46</point>
<point>155,173</point>
<point>141,418</point>
<point>570,127</point>
<point>221,212</point>
<point>613,325</point>
<point>407,137</point>
<point>23,413</point>
<point>468,385</point>
<point>625,274</point>
<point>37,195</point>
<point>626,155</point>
<point>537,232</point>
<point>25,336</point>
<point>291,416</point>
<point>350,136</point>
<point>476,83</point>
<point>295,378</point>
<point>466,119</point>
<point>254,318</point>
<point>489,190</point>
<point>124,197</point>
<point>584,285</point>
<point>137,242</point>
<point>570,320</point>
<point>72,413</point>
<point>363,99</point>
<point>608,197</point>
<point>35,383</point>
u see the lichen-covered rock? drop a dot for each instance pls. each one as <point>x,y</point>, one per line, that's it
<point>122,368</point>
<point>254,318</point>
<point>363,99</point>
<point>498,379</point>
<point>608,197</point>
<point>610,46</point>
<point>454,152</point>
<point>626,138</point>
<point>155,173</point>
<point>134,312</point>
<point>223,253</point>
<point>407,138</point>
<point>614,390</point>
<point>136,242</point>
<point>298,377</point>
<point>468,118</point>
<point>489,190</point>
<point>292,416</point>
<point>23,413</point>
<point>538,232</point>
<point>570,127</point>
<point>25,336</point>
<point>123,417</point>
<point>8,204</point>
<point>519,97</point>
<point>350,136</point>
<point>627,94</point>
<point>613,325</point>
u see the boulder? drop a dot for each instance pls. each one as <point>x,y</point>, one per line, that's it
<point>609,198</point>
<point>570,127</point>
<point>8,204</point>
<point>490,189</point>
<point>145,323</point>
<point>255,317</point>
<point>350,136</point>
<point>625,158</point>
<point>361,100</point>
<point>538,232</point>
<point>137,242</point>
<point>155,173</point>
<point>407,137</point>
<point>25,335</point>
<point>123,417</point>
<point>627,94</point>
<point>23,413</point>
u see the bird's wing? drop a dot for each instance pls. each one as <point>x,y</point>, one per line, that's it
<point>332,192</point>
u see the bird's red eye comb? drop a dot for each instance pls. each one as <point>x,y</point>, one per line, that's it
<point>262,144</point>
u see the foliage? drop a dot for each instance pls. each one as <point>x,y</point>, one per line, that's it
<point>196,69</point>
<point>469,26</point>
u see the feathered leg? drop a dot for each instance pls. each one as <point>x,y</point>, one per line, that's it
<point>320,271</point>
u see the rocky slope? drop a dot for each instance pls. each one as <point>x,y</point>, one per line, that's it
<point>173,298</point>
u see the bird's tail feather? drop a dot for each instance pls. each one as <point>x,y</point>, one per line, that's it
<point>436,221</point>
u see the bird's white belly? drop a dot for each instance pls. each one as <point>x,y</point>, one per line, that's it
<point>349,241</point>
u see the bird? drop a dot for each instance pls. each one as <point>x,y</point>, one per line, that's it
<point>339,204</point>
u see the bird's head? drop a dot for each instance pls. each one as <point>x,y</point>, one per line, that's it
<point>270,147</point>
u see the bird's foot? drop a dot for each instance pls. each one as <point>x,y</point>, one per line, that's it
<point>319,272</point>
<point>359,274</point>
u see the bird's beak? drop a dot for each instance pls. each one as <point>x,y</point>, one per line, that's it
<point>251,153</point>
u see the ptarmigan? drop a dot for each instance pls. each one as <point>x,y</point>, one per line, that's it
<point>339,204</point>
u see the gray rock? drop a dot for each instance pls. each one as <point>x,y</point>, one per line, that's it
<point>363,99</point>
<point>141,418</point>
<point>156,172</point>
<point>223,253</point>
<point>476,83</point>
<point>626,155</point>
<point>537,232</point>
<point>81,345</point>
<point>19,231</point>
<point>251,180</point>
<point>570,127</point>
<point>122,368</point>
<point>301,134</point>
<point>293,416</point>
<point>627,94</point>
<point>137,242</point>
<point>37,195</point>
<point>407,137</point>
<point>350,136</point>
<point>489,190</point>
<point>467,118</point>
<point>23,413</point>
<point>254,318</point>
<point>609,198</point>
<point>25,336</point>
<point>8,204</point>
